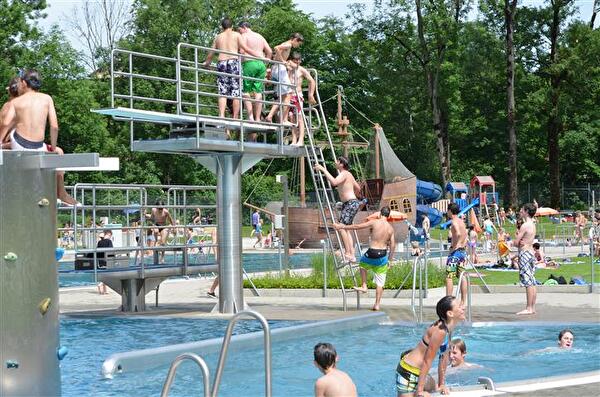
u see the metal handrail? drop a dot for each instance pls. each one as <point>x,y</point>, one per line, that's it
<point>173,370</point>
<point>465,275</point>
<point>225,347</point>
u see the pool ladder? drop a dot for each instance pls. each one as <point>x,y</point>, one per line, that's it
<point>465,275</point>
<point>222,358</point>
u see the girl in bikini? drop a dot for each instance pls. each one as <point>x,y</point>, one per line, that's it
<point>412,377</point>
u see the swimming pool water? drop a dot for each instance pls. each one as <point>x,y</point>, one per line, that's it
<point>91,340</point>
<point>369,355</point>
<point>259,262</point>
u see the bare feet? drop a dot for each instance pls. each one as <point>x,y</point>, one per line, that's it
<point>375,308</point>
<point>525,312</point>
<point>362,290</point>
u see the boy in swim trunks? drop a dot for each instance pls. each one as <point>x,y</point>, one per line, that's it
<point>279,74</point>
<point>455,263</point>
<point>524,241</point>
<point>297,100</point>
<point>376,258</point>
<point>256,69</point>
<point>347,188</point>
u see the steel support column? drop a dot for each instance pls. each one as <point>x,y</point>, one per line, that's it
<point>229,219</point>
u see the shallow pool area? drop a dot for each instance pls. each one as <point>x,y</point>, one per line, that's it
<point>506,352</point>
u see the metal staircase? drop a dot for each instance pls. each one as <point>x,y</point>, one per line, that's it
<point>326,198</point>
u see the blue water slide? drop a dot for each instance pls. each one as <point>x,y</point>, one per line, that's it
<point>434,215</point>
<point>428,192</point>
<point>474,203</point>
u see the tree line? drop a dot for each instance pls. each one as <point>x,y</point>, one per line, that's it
<point>462,88</point>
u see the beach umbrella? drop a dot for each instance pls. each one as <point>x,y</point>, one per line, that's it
<point>395,216</point>
<point>545,211</point>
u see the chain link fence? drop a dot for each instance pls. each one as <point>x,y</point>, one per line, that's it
<point>572,197</point>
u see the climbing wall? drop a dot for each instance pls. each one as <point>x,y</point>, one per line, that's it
<point>29,328</point>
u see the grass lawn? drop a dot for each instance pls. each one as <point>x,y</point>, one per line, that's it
<point>544,228</point>
<point>566,270</point>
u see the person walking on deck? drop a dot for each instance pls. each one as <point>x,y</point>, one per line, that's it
<point>455,264</point>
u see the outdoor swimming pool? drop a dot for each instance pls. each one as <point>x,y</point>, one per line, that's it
<point>259,262</point>
<point>370,354</point>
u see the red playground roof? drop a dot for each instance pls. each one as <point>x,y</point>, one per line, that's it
<point>483,181</point>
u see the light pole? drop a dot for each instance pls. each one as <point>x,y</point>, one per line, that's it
<point>286,234</point>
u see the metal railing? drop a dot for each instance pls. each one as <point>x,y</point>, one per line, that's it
<point>191,82</point>
<point>418,264</point>
<point>465,276</point>
<point>117,204</point>
<point>173,370</point>
<point>225,347</point>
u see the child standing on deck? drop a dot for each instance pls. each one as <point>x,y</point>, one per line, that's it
<point>334,383</point>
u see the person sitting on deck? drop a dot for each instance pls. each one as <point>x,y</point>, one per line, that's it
<point>334,383</point>
<point>230,42</point>
<point>23,123</point>
<point>541,261</point>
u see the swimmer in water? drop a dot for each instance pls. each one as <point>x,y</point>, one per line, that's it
<point>565,339</point>
<point>458,352</point>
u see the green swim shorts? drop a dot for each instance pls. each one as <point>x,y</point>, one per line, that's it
<point>257,70</point>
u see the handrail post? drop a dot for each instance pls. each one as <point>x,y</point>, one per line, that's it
<point>225,347</point>
<point>173,370</point>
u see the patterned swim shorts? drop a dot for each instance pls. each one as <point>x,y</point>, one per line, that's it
<point>229,85</point>
<point>349,210</point>
<point>527,268</point>
<point>455,262</point>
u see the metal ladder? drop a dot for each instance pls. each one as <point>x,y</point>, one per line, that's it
<point>222,358</point>
<point>326,201</point>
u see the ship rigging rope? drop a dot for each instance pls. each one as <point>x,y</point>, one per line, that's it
<point>259,181</point>
<point>358,111</point>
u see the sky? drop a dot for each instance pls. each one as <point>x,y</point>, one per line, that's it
<point>58,9</point>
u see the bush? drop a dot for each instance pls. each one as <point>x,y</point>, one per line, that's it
<point>395,276</point>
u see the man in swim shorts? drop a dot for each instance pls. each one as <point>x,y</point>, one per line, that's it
<point>380,252</point>
<point>230,42</point>
<point>24,121</point>
<point>524,241</point>
<point>279,74</point>
<point>455,264</point>
<point>347,188</point>
<point>256,69</point>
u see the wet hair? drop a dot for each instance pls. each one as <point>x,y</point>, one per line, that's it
<point>563,332</point>
<point>31,78</point>
<point>13,87</point>
<point>226,23</point>
<point>460,345</point>
<point>297,36</point>
<point>344,162</point>
<point>325,355</point>
<point>244,25</point>
<point>385,211</point>
<point>160,203</point>
<point>530,209</point>
<point>442,308</point>
<point>536,246</point>
<point>454,208</point>
<point>296,56</point>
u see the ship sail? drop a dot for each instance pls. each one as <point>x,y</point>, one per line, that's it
<point>393,168</point>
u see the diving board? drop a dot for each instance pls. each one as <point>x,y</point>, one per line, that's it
<point>150,116</point>
<point>105,164</point>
